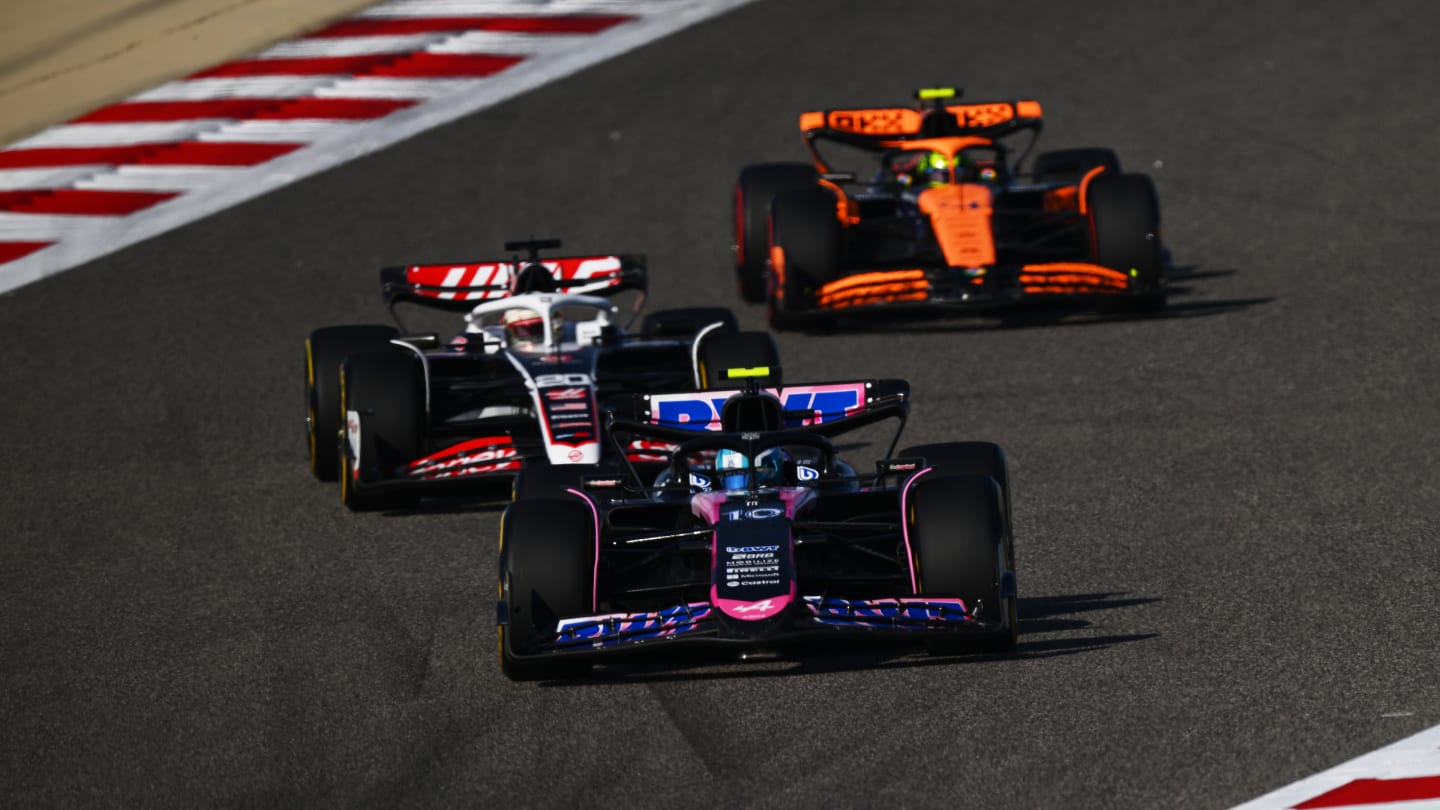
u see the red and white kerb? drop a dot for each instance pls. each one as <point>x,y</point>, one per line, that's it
<point>189,148</point>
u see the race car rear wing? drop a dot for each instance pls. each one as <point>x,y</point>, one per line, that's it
<point>824,409</point>
<point>876,129</point>
<point>458,286</point>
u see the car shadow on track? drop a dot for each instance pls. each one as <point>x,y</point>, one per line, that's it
<point>1050,626</point>
<point>1048,315</point>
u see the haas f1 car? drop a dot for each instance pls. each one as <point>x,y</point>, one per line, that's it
<point>756,535</point>
<point>396,416</point>
<point>948,221</point>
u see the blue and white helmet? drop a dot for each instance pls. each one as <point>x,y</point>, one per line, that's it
<point>731,466</point>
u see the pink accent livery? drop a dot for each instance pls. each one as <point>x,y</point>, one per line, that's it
<point>595,521</point>
<point>905,527</point>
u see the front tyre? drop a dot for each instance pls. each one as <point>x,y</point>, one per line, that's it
<point>325,350</point>
<point>956,533</point>
<point>805,234</point>
<point>1071,165</point>
<point>972,458</point>
<point>382,404</point>
<point>547,557</point>
<point>1124,218</point>
<point>753,190</point>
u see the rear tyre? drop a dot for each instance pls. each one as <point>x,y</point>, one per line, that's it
<point>325,350</point>
<point>687,321</point>
<point>805,227</point>
<point>753,190</point>
<point>547,558</point>
<point>1071,165</point>
<point>1124,212</point>
<point>957,532</point>
<point>747,350</point>
<point>386,391</point>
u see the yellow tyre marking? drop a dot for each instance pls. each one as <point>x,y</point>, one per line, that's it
<point>310,400</point>
<point>344,464</point>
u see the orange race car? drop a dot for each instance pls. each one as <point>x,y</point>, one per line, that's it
<point>949,220</point>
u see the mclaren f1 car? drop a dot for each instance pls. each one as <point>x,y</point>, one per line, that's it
<point>396,415</point>
<point>757,535</point>
<point>948,220</point>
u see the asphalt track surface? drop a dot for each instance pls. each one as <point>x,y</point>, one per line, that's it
<point>1225,514</point>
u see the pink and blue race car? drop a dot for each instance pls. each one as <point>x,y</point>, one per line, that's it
<point>757,534</point>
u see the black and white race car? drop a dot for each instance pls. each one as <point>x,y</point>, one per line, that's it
<point>396,416</point>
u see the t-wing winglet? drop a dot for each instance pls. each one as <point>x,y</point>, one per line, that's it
<point>459,286</point>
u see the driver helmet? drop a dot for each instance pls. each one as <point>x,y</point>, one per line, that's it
<point>524,326</point>
<point>933,169</point>
<point>732,464</point>
<point>770,466</point>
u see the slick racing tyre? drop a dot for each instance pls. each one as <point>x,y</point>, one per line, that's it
<point>541,480</point>
<point>753,190</point>
<point>325,350</point>
<point>547,564</point>
<point>805,235</point>
<point>738,350</point>
<point>956,532</point>
<point>686,321</point>
<point>1124,212</point>
<point>384,391</point>
<point>972,458</point>
<point>1071,165</point>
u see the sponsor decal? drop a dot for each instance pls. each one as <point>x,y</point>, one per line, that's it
<point>567,393</point>
<point>453,462</point>
<point>762,607</point>
<point>702,412</point>
<point>575,456</point>
<point>745,567</point>
<point>699,481</point>
<point>803,473</point>
<point>556,380</point>
<point>759,513</point>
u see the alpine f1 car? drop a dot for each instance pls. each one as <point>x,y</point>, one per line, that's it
<point>949,220</point>
<point>395,416</point>
<point>756,535</point>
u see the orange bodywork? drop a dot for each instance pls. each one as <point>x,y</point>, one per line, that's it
<point>949,146</point>
<point>777,264</point>
<point>1071,277</point>
<point>879,287</point>
<point>845,208</point>
<point>1085,183</point>
<point>907,121</point>
<point>1065,198</point>
<point>960,216</point>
